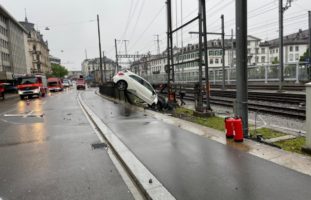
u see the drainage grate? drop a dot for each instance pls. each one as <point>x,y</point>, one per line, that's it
<point>99,146</point>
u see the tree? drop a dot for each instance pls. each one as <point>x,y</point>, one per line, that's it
<point>304,57</point>
<point>58,71</point>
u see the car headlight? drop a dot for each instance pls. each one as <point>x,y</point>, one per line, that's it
<point>20,92</point>
<point>36,91</point>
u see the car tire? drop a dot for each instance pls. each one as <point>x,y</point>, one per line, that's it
<point>121,85</point>
<point>21,97</point>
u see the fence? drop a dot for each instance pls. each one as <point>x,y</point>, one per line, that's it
<point>296,72</point>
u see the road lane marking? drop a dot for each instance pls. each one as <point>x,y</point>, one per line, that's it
<point>137,170</point>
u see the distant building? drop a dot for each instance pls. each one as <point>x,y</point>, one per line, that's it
<point>74,74</point>
<point>54,60</point>
<point>13,41</point>
<point>91,68</point>
<point>38,50</point>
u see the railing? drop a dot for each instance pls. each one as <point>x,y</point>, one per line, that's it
<point>296,72</point>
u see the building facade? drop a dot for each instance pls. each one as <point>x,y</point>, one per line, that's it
<point>54,60</point>
<point>91,69</point>
<point>13,37</point>
<point>37,50</point>
<point>258,54</point>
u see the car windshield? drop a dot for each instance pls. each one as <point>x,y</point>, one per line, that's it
<point>53,83</point>
<point>31,80</point>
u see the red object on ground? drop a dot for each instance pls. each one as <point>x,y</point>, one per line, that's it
<point>229,127</point>
<point>238,130</point>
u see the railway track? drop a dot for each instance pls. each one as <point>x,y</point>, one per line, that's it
<point>288,111</point>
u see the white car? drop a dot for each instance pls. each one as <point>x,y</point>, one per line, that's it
<point>126,80</point>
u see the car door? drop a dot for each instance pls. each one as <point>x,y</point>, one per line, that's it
<point>141,90</point>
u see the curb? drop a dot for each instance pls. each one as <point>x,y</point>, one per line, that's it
<point>145,180</point>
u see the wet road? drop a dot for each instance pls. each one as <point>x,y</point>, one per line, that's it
<point>193,167</point>
<point>46,153</point>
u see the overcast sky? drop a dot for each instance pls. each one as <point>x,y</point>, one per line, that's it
<point>73,27</point>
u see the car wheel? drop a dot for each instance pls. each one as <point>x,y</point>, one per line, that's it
<point>21,97</point>
<point>121,85</point>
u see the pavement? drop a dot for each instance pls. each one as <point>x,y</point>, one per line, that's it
<point>192,162</point>
<point>46,152</point>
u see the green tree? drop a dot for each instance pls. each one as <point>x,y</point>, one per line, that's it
<point>58,71</point>
<point>275,61</point>
<point>304,56</point>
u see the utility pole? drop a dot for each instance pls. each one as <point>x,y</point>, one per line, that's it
<point>116,48</point>
<point>207,85</point>
<point>176,14</point>
<point>105,71</point>
<point>281,50</point>
<point>158,43</point>
<point>85,54</point>
<point>309,14</point>
<point>100,53</point>
<point>181,22</point>
<point>232,49</point>
<point>223,52</point>
<point>199,106</point>
<point>125,46</point>
<point>241,64</point>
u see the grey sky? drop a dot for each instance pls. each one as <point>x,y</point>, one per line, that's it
<point>73,25</point>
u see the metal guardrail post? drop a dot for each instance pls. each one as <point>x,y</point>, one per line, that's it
<point>307,148</point>
<point>297,72</point>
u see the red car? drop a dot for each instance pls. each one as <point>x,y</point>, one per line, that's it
<point>55,85</point>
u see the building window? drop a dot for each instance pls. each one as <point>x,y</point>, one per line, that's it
<point>256,50</point>
<point>291,48</point>
<point>211,61</point>
<point>256,59</point>
<point>248,43</point>
<point>248,50</point>
<point>296,48</point>
<point>291,57</point>
<point>277,50</point>
<point>263,59</point>
<point>297,56</point>
<point>216,61</point>
<point>263,50</point>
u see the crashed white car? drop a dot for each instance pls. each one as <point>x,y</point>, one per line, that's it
<point>126,80</point>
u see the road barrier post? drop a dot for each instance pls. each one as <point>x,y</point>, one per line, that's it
<point>307,147</point>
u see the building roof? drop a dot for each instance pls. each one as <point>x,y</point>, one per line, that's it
<point>4,12</point>
<point>300,37</point>
<point>30,27</point>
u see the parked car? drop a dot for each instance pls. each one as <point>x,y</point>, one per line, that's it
<point>55,85</point>
<point>80,84</point>
<point>32,85</point>
<point>66,83</point>
<point>138,86</point>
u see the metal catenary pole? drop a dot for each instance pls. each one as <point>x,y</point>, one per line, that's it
<point>199,106</point>
<point>309,14</point>
<point>223,52</point>
<point>281,54</point>
<point>100,52</point>
<point>116,48</point>
<point>168,41</point>
<point>208,106</point>
<point>105,71</point>
<point>241,65</point>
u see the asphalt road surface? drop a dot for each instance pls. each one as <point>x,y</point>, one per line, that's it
<point>194,167</point>
<point>46,152</point>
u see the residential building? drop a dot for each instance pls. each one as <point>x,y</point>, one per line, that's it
<point>13,38</point>
<point>38,50</point>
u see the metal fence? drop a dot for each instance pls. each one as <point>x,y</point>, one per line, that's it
<point>296,72</point>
